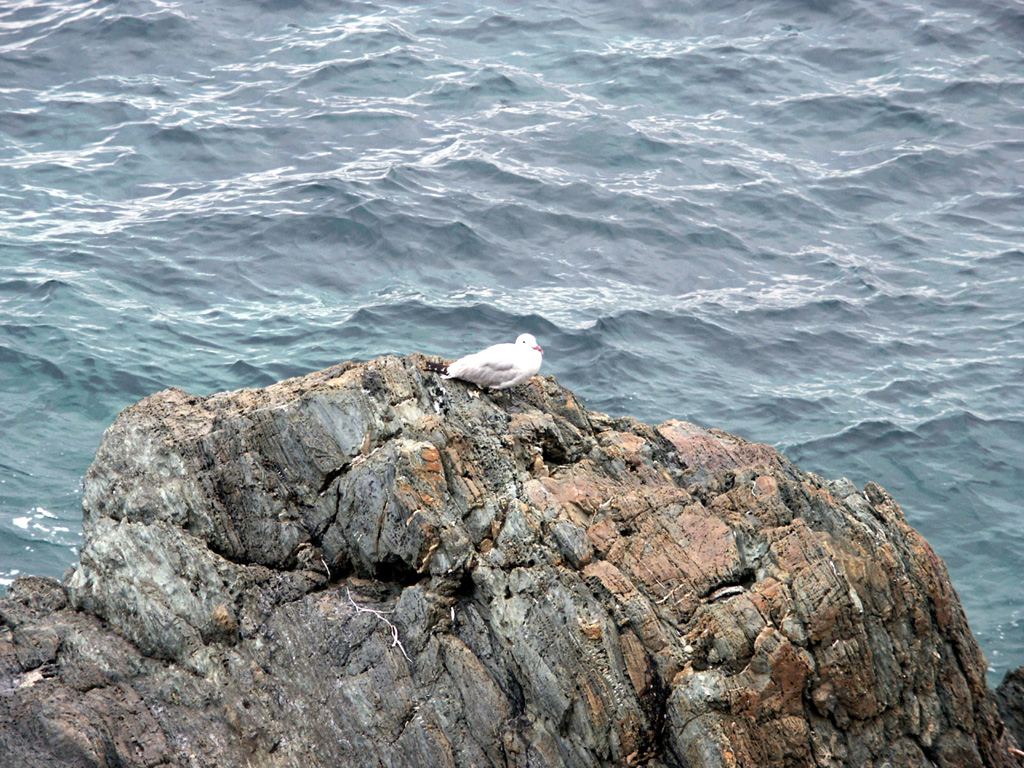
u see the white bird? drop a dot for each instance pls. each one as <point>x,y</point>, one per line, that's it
<point>498,367</point>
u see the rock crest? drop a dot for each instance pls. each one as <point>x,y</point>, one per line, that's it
<point>371,566</point>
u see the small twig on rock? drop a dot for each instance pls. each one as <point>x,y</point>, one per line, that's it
<point>395,641</point>
<point>671,592</point>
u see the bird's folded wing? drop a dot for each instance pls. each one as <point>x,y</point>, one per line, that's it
<point>484,373</point>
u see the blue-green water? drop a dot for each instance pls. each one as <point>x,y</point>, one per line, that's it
<point>802,222</point>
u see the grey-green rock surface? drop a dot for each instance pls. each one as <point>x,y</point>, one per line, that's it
<point>370,566</point>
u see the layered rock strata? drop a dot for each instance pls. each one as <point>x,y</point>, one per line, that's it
<point>370,566</point>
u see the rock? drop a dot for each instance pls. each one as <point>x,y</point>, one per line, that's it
<point>372,566</point>
<point>1010,699</point>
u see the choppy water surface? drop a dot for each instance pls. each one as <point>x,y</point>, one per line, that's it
<point>801,222</point>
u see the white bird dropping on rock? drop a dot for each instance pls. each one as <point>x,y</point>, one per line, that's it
<point>498,367</point>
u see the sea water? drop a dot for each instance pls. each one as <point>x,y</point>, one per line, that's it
<point>799,221</point>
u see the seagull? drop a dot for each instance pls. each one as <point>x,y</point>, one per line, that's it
<point>498,367</point>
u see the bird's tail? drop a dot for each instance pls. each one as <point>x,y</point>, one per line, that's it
<point>433,367</point>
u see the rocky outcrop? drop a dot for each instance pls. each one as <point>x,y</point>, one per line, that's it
<point>371,566</point>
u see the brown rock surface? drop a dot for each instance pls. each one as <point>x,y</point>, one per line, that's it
<point>371,566</point>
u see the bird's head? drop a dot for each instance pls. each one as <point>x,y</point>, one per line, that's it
<point>526,339</point>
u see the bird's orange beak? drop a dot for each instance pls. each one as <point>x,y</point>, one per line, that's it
<point>539,349</point>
